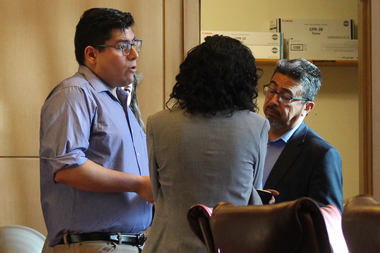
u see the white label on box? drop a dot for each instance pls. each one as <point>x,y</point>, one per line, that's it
<point>322,50</point>
<point>249,38</point>
<point>312,28</point>
<point>296,47</point>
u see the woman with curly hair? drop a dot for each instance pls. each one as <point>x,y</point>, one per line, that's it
<point>209,146</point>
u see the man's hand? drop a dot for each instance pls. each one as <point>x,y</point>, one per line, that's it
<point>274,193</point>
<point>145,190</point>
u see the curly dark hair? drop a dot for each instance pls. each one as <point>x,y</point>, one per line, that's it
<point>217,75</point>
<point>95,28</point>
<point>304,72</point>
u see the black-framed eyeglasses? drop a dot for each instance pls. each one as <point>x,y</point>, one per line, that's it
<point>126,48</point>
<point>283,98</point>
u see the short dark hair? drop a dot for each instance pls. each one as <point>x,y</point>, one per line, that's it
<point>304,72</point>
<point>217,75</point>
<point>95,28</point>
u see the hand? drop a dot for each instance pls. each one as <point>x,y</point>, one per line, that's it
<point>274,193</point>
<point>145,189</point>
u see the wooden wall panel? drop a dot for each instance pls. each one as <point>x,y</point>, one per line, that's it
<point>365,98</point>
<point>375,52</point>
<point>173,46</point>
<point>149,17</point>
<point>191,23</point>
<point>20,193</point>
<point>38,52</point>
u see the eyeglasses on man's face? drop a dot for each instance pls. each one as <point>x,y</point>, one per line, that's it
<point>284,98</point>
<point>126,48</point>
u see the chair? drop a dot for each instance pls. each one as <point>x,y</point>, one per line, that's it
<point>198,217</point>
<point>361,224</point>
<point>296,226</point>
<point>20,239</point>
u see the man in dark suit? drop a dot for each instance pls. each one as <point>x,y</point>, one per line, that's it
<point>299,163</point>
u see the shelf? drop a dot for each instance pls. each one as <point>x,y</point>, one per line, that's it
<point>266,62</point>
<point>272,62</point>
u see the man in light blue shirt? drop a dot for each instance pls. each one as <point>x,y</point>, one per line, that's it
<point>95,186</point>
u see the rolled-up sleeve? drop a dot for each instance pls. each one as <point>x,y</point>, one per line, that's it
<point>65,128</point>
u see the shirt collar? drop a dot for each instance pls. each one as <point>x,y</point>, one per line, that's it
<point>286,136</point>
<point>93,79</point>
<point>98,84</point>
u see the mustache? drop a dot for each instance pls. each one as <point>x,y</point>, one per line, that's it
<point>272,108</point>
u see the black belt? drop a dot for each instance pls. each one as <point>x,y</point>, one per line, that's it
<point>134,239</point>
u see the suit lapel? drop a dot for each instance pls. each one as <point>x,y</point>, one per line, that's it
<point>287,157</point>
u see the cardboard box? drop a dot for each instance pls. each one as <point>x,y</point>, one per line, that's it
<point>267,52</point>
<point>332,49</point>
<point>249,38</point>
<point>313,28</point>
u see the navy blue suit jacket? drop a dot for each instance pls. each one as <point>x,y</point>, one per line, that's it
<point>308,167</point>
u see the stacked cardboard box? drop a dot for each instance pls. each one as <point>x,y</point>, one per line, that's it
<point>264,45</point>
<point>317,39</point>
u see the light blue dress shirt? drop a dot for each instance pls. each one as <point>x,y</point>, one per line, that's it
<point>274,149</point>
<point>81,119</point>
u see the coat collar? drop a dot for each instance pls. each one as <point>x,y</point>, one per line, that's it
<point>287,156</point>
